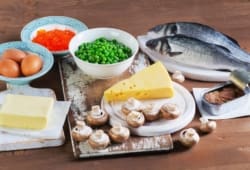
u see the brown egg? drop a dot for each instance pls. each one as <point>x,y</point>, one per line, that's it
<point>14,54</point>
<point>31,64</point>
<point>9,68</point>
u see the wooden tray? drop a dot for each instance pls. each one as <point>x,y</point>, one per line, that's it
<point>83,91</point>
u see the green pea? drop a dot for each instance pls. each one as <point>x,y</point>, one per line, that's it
<point>103,51</point>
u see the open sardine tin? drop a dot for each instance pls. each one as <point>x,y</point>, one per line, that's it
<point>239,79</point>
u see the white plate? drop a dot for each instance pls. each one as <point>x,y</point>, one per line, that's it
<point>182,98</point>
<point>195,73</point>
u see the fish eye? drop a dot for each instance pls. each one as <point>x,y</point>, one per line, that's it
<point>151,43</point>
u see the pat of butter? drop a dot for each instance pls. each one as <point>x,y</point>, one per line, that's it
<point>150,83</point>
<point>27,112</point>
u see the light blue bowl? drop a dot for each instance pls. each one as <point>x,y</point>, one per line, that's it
<point>47,57</point>
<point>51,22</point>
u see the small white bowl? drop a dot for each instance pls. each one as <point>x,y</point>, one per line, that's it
<point>103,71</point>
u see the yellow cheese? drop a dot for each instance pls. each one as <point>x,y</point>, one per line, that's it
<point>27,112</point>
<point>150,83</point>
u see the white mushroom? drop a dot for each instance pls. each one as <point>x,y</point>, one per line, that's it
<point>170,111</point>
<point>96,111</point>
<point>178,76</point>
<point>130,105</point>
<point>189,137</point>
<point>80,123</point>
<point>207,126</point>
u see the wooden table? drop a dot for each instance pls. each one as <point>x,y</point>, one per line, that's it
<point>227,148</point>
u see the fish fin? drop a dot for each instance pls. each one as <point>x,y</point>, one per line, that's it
<point>233,40</point>
<point>223,48</point>
<point>166,49</point>
<point>224,69</point>
<point>172,54</point>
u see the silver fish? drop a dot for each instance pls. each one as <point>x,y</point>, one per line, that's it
<point>196,53</point>
<point>203,33</point>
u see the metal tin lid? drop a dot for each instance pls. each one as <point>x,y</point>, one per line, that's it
<point>241,79</point>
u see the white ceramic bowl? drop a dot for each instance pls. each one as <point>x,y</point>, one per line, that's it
<point>103,71</point>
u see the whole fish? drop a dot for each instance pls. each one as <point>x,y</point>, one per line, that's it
<point>193,52</point>
<point>203,33</point>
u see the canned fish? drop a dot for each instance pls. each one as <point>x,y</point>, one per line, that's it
<point>229,96</point>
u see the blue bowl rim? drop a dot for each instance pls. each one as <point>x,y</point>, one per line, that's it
<point>77,25</point>
<point>32,77</point>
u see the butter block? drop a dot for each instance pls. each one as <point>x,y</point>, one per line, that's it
<point>150,83</point>
<point>26,112</point>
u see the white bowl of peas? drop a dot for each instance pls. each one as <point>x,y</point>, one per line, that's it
<point>103,52</point>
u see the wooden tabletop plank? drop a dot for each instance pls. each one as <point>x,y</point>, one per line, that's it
<point>227,148</point>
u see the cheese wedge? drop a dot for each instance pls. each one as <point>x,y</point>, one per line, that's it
<point>26,112</point>
<point>150,83</point>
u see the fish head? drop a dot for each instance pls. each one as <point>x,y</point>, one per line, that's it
<point>157,28</point>
<point>169,29</point>
<point>159,45</point>
<point>154,44</point>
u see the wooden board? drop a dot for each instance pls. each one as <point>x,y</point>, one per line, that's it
<point>84,91</point>
<point>11,141</point>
